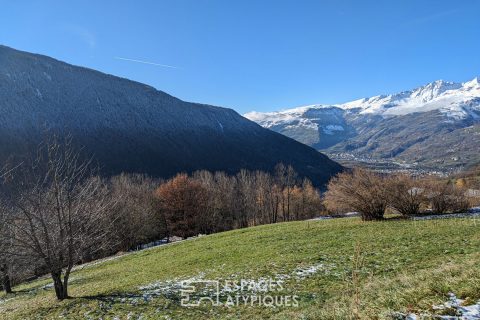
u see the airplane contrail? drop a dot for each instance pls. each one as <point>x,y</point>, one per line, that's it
<point>147,62</point>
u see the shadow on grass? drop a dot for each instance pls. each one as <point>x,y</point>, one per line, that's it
<point>129,297</point>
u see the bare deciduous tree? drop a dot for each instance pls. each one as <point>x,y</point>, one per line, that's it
<point>5,249</point>
<point>138,219</point>
<point>210,202</point>
<point>184,204</point>
<point>286,177</point>
<point>58,210</point>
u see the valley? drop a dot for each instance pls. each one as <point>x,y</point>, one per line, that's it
<point>407,130</point>
<point>389,165</point>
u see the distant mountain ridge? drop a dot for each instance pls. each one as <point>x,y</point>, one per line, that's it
<point>132,127</point>
<point>434,125</point>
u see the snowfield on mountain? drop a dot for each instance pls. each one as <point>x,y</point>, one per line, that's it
<point>412,126</point>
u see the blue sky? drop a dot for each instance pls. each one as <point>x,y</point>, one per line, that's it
<point>257,55</point>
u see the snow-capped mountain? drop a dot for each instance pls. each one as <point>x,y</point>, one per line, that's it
<point>132,127</point>
<point>452,99</point>
<point>458,100</point>
<point>423,113</point>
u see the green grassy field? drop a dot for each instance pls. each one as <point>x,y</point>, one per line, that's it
<point>401,266</point>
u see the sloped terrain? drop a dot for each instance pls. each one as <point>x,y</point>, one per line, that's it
<point>132,127</point>
<point>338,268</point>
<point>435,125</point>
<point>426,138</point>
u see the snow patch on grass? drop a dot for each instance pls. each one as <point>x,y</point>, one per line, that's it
<point>171,288</point>
<point>473,213</point>
<point>457,309</point>
<point>168,288</point>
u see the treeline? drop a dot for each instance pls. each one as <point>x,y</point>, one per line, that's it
<point>57,213</point>
<point>372,194</point>
<point>145,209</point>
<point>212,202</point>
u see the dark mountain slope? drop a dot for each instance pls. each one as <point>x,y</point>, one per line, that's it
<point>132,127</point>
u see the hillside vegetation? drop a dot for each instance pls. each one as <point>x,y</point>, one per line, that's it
<point>339,268</point>
<point>129,127</point>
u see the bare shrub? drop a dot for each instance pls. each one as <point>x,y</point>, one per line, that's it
<point>446,197</point>
<point>405,194</point>
<point>360,190</point>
